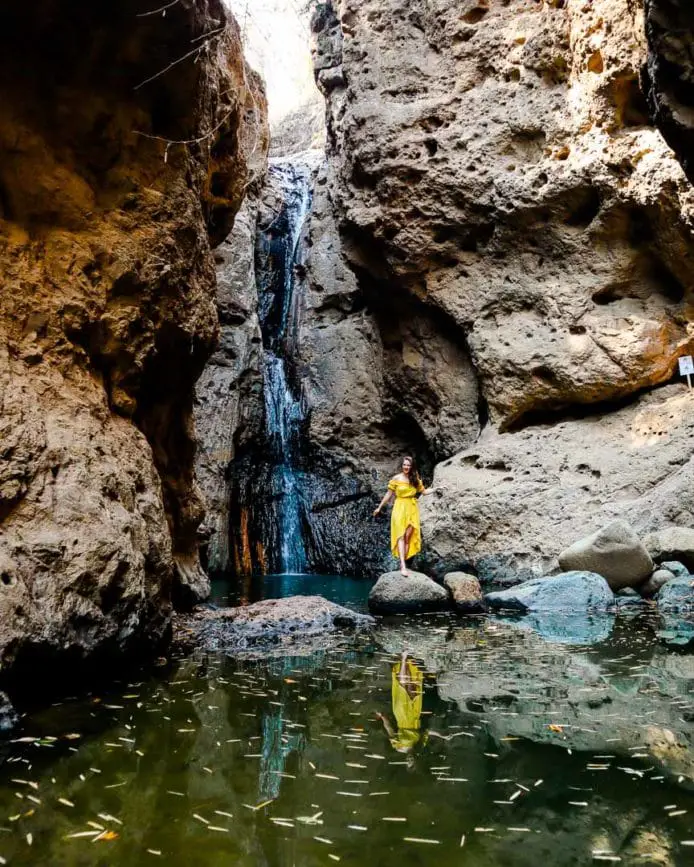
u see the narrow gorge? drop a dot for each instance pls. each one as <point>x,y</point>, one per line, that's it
<point>253,253</point>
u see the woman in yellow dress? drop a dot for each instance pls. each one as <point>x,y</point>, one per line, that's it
<point>405,531</point>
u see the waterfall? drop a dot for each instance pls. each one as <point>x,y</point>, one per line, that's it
<point>278,313</point>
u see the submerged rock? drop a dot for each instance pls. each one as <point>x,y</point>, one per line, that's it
<point>465,591</point>
<point>570,591</point>
<point>672,543</point>
<point>395,594</point>
<point>614,552</point>
<point>558,627</point>
<point>295,623</point>
<point>8,715</point>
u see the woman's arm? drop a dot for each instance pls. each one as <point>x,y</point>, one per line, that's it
<point>388,497</point>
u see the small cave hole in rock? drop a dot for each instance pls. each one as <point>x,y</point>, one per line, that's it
<point>630,102</point>
<point>475,15</point>
<point>432,146</point>
<point>585,208</point>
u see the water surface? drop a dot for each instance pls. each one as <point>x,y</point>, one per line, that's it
<point>523,752</point>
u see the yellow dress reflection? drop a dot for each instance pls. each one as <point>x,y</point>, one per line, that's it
<point>407,688</point>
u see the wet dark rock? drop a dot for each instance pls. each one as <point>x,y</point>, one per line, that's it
<point>677,595</point>
<point>569,591</point>
<point>395,594</point>
<point>614,552</point>
<point>679,570</point>
<point>8,715</point>
<point>465,591</point>
<point>657,580</point>
<point>288,625</point>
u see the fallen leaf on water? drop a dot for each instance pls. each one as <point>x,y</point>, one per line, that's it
<point>555,728</point>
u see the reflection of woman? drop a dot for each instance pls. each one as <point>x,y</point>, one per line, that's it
<point>405,532</point>
<point>407,691</point>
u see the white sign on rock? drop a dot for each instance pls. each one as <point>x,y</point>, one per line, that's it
<point>686,365</point>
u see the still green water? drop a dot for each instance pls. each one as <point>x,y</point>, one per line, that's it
<point>529,752</point>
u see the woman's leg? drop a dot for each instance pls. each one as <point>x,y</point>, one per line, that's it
<point>408,535</point>
<point>402,551</point>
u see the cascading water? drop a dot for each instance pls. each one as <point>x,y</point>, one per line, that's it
<point>292,503</point>
<point>278,314</point>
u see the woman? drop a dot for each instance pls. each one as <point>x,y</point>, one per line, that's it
<point>405,533</point>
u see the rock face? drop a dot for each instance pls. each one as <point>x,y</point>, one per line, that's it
<point>614,552</point>
<point>669,75</point>
<point>530,215</point>
<point>228,395</point>
<point>107,311</point>
<point>272,625</point>
<point>511,504</point>
<point>569,592</point>
<point>672,543</point>
<point>465,591</point>
<point>395,594</point>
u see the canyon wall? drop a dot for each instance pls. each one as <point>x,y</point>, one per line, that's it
<point>501,266</point>
<point>128,138</point>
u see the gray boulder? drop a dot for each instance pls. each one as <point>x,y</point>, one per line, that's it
<point>465,591</point>
<point>569,591</point>
<point>295,624</point>
<point>657,580</point>
<point>395,594</point>
<point>614,552</point>
<point>672,543</point>
<point>677,595</point>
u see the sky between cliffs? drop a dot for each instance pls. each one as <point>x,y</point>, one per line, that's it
<point>276,37</point>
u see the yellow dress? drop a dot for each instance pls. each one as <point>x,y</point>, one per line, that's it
<point>407,709</point>
<point>405,514</point>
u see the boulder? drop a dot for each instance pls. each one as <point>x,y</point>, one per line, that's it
<point>677,595</point>
<point>672,543</point>
<point>679,570</point>
<point>465,591</point>
<point>657,580</point>
<point>569,591</point>
<point>395,594</point>
<point>294,624</point>
<point>614,552</point>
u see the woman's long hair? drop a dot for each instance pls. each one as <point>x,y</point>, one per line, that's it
<point>414,476</point>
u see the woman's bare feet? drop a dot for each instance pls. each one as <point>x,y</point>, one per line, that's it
<point>404,573</point>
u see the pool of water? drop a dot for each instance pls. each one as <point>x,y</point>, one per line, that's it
<point>489,746</point>
<point>352,592</point>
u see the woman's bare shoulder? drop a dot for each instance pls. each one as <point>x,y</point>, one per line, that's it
<point>399,478</point>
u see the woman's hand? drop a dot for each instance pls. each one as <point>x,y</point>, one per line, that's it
<point>377,512</point>
<point>428,491</point>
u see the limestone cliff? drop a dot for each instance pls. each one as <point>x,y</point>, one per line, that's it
<point>508,239</point>
<point>126,135</point>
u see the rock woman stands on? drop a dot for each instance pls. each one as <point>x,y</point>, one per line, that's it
<point>405,531</point>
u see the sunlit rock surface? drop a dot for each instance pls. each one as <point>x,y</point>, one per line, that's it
<point>511,504</point>
<point>498,196</point>
<point>107,310</point>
